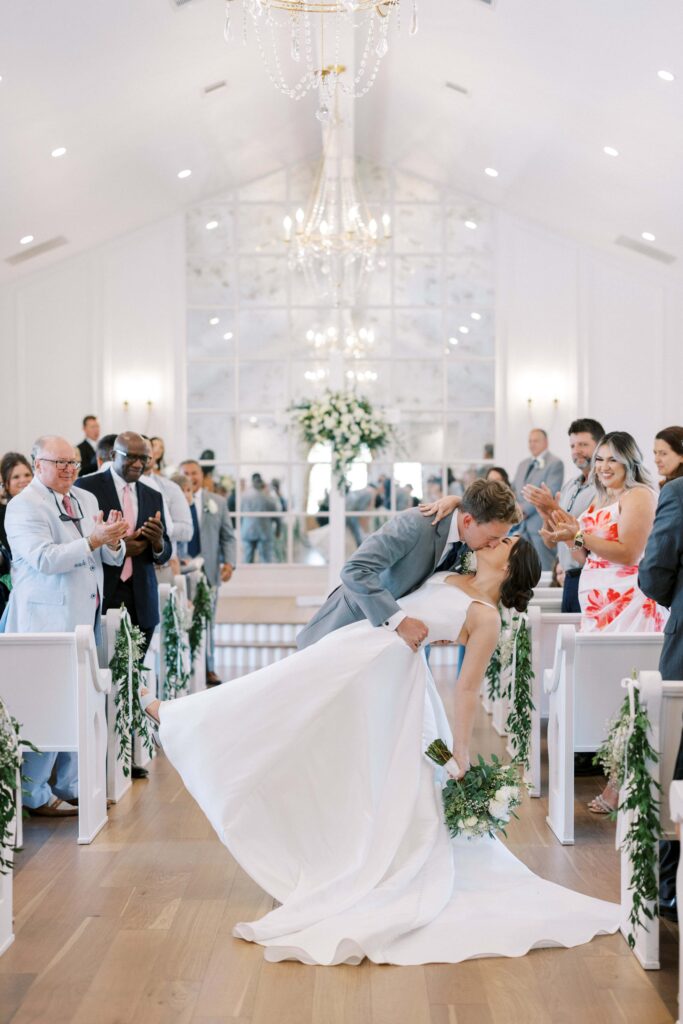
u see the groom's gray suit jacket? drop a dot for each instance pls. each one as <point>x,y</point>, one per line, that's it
<point>389,564</point>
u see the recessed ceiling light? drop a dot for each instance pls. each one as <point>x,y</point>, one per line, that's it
<point>610,150</point>
<point>26,240</point>
<point>491,171</point>
<point>211,225</point>
<point>666,76</point>
<point>185,174</point>
<point>214,320</point>
<point>475,316</point>
<point>452,341</point>
<point>471,225</point>
<point>464,330</point>
<point>228,336</point>
<point>60,151</point>
<point>648,236</point>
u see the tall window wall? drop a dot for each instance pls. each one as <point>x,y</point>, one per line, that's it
<point>430,308</point>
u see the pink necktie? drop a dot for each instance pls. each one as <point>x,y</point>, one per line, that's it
<point>129,516</point>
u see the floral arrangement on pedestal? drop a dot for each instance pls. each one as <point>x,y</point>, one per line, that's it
<point>347,422</point>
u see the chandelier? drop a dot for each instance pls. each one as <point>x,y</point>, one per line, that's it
<point>311,32</point>
<point>350,342</point>
<point>336,242</point>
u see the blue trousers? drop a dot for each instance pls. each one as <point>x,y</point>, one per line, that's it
<point>36,770</point>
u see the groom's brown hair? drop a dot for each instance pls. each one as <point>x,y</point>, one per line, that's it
<point>488,500</point>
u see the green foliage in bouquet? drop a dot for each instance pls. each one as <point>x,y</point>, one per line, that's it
<point>482,802</point>
<point>10,766</point>
<point>127,673</point>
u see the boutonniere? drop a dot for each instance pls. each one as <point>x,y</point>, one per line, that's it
<point>540,463</point>
<point>468,564</point>
<point>211,507</point>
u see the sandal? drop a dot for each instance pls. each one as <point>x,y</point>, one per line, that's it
<point>153,723</point>
<point>599,805</point>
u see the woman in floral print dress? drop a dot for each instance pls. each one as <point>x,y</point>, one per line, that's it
<point>609,540</point>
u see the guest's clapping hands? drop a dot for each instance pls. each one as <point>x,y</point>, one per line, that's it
<point>562,526</point>
<point>542,498</point>
<point>439,509</point>
<point>153,531</point>
<point>111,532</point>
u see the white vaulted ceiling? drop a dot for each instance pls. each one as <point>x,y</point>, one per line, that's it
<point>549,83</point>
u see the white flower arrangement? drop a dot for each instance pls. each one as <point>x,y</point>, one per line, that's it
<point>348,423</point>
<point>211,507</point>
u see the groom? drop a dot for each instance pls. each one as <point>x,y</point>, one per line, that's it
<point>399,557</point>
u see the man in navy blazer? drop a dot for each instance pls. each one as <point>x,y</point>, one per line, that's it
<point>119,487</point>
<point>660,576</point>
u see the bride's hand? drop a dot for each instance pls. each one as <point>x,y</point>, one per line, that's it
<point>463,763</point>
<point>439,509</point>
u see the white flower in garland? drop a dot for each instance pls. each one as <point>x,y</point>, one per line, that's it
<point>348,423</point>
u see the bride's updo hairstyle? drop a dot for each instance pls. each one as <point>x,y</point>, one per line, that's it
<point>524,572</point>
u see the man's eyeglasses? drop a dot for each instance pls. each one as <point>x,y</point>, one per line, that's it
<point>61,463</point>
<point>144,459</point>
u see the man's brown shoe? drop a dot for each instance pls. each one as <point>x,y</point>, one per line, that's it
<point>56,808</point>
<point>212,679</point>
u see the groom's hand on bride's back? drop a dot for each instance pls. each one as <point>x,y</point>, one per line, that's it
<point>413,632</point>
<point>439,509</point>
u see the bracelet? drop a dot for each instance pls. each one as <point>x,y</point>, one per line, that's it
<point>90,545</point>
<point>578,544</point>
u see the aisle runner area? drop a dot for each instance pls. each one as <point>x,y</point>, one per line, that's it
<point>136,929</point>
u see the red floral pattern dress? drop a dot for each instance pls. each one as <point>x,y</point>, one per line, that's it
<point>610,598</point>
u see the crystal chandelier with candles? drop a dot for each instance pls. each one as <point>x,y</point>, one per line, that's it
<point>347,339</point>
<point>336,242</point>
<point>314,35</point>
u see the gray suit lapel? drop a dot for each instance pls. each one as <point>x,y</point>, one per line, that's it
<point>441,536</point>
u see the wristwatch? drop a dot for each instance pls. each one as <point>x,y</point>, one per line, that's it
<point>578,541</point>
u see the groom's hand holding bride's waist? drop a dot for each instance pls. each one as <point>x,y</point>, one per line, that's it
<point>412,632</point>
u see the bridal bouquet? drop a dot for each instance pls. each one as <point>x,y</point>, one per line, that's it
<point>482,802</point>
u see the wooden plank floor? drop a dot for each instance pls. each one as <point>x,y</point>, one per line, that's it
<point>136,929</point>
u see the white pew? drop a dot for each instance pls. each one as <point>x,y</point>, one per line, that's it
<point>585,691</point>
<point>54,687</point>
<point>663,702</point>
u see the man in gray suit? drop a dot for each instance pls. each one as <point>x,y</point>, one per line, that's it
<point>660,576</point>
<point>399,557</point>
<point>258,531</point>
<point>214,539</point>
<point>542,467</point>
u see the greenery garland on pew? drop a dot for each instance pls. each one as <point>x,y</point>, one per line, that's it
<point>202,616</point>
<point>626,753</point>
<point>176,650</point>
<point>519,692</point>
<point>493,673</point>
<point>10,766</point>
<point>127,675</point>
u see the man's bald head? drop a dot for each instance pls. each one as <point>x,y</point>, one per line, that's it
<point>56,462</point>
<point>130,456</point>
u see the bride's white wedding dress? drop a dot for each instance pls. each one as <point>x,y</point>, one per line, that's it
<point>312,772</point>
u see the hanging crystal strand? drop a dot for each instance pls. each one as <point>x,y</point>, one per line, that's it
<point>227,28</point>
<point>383,42</point>
<point>295,50</point>
<point>244,23</point>
<point>413,20</point>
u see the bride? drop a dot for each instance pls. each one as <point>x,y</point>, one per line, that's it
<point>312,773</point>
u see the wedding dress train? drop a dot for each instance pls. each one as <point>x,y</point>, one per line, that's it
<point>312,773</point>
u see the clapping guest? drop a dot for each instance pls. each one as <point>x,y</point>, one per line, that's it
<point>177,515</point>
<point>609,539</point>
<point>59,545</point>
<point>668,454</point>
<point>88,446</point>
<point>542,467</point>
<point>576,496</point>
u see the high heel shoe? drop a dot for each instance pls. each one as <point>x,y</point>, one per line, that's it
<point>153,724</point>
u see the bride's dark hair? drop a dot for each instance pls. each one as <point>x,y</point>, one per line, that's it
<point>524,572</point>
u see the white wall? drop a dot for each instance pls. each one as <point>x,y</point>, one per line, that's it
<point>600,334</point>
<point>87,333</point>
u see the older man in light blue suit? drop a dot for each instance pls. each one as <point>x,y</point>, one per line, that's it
<point>58,541</point>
